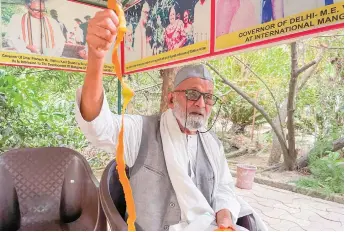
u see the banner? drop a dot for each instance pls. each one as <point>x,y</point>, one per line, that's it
<point>271,19</point>
<point>229,25</point>
<point>46,34</point>
<point>159,32</point>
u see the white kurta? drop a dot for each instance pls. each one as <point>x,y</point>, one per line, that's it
<point>16,40</point>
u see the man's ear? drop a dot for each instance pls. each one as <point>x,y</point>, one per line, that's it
<point>170,100</point>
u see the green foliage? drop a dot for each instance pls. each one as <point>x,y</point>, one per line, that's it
<point>329,171</point>
<point>327,167</point>
<point>241,110</point>
<point>34,112</point>
<point>320,104</point>
<point>37,109</point>
<point>271,65</point>
<point>327,174</point>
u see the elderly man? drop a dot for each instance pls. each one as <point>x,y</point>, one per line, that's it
<point>178,173</point>
<point>35,32</point>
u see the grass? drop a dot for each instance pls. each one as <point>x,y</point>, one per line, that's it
<point>327,169</point>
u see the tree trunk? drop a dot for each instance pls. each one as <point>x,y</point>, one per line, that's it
<point>168,76</point>
<point>276,150</point>
<point>289,162</point>
<point>338,144</point>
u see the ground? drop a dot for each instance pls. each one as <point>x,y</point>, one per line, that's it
<point>260,161</point>
<point>283,210</point>
<point>256,147</point>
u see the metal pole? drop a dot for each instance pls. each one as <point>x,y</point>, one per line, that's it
<point>119,100</point>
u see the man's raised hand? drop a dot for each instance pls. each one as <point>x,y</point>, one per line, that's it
<point>101,34</point>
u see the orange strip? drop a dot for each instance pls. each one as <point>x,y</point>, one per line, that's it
<point>127,94</point>
<point>231,228</point>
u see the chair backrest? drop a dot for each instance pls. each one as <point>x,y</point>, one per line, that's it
<point>112,198</point>
<point>48,189</point>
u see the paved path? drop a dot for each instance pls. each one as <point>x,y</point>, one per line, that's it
<point>288,211</point>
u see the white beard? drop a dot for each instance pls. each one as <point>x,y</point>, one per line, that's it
<point>194,122</point>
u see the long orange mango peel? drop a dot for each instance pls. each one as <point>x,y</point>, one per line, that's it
<point>230,228</point>
<point>127,94</point>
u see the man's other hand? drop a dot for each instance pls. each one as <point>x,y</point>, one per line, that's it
<point>224,219</point>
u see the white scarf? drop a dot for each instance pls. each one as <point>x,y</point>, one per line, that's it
<point>196,213</point>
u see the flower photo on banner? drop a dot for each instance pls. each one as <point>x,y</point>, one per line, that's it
<point>155,27</point>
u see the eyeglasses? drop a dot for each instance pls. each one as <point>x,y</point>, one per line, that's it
<point>194,95</point>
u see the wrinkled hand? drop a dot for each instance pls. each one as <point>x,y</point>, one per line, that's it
<point>101,34</point>
<point>32,48</point>
<point>224,220</point>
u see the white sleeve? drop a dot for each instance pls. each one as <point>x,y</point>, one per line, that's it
<point>225,197</point>
<point>103,131</point>
<point>14,35</point>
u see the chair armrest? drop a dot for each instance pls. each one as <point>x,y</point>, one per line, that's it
<point>247,222</point>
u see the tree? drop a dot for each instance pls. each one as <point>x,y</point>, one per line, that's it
<point>289,152</point>
<point>257,106</point>
<point>287,106</point>
<point>168,76</point>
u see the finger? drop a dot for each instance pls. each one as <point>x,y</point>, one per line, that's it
<point>224,223</point>
<point>108,13</point>
<point>102,33</point>
<point>97,42</point>
<point>106,23</point>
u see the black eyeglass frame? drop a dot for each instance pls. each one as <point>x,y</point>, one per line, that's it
<point>206,96</point>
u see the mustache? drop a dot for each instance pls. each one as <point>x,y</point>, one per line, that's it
<point>201,112</point>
